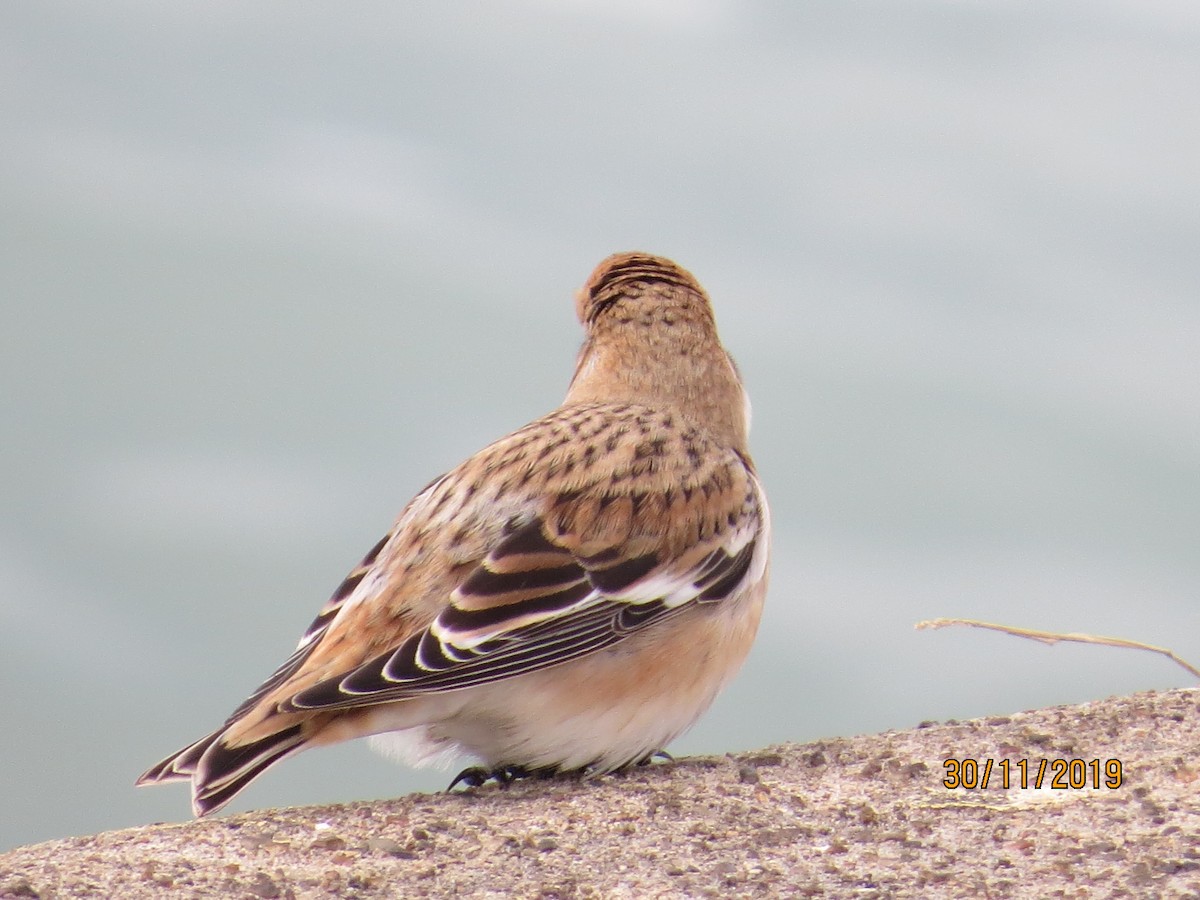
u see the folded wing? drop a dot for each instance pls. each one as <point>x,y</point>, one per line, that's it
<point>533,604</point>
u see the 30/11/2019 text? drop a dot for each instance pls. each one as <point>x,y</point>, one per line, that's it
<point>1055,774</point>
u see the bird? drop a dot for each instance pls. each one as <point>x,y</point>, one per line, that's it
<point>570,599</point>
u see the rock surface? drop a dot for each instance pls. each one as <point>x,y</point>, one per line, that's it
<point>864,817</point>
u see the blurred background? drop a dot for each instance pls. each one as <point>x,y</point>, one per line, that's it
<point>268,268</point>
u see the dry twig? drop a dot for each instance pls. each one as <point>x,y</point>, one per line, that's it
<point>1051,637</point>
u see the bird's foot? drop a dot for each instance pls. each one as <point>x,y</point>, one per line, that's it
<point>657,754</point>
<point>477,776</point>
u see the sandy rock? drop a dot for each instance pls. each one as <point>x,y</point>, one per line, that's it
<point>865,817</point>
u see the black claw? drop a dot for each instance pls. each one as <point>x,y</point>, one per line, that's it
<point>472,777</point>
<point>649,758</point>
<point>477,776</point>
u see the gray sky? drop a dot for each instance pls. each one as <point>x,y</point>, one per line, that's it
<point>268,268</point>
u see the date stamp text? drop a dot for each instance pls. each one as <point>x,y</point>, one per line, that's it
<point>1056,774</point>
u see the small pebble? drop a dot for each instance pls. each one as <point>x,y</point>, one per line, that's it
<point>748,774</point>
<point>263,887</point>
<point>390,847</point>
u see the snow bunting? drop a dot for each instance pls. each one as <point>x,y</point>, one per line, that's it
<point>570,598</point>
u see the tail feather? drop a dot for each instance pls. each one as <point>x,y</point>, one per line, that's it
<point>218,771</point>
<point>223,771</point>
<point>181,765</point>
